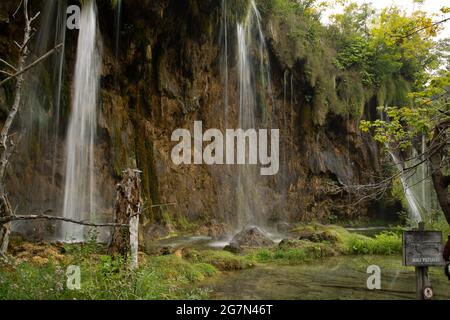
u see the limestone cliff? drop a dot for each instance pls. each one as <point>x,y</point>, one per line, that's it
<point>168,75</point>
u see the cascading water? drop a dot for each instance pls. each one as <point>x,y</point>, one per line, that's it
<point>421,182</point>
<point>417,183</point>
<point>254,85</point>
<point>41,116</point>
<point>414,205</point>
<point>292,124</point>
<point>40,119</point>
<point>224,57</point>
<point>79,200</point>
<point>38,94</point>
<point>60,38</point>
<point>117,40</point>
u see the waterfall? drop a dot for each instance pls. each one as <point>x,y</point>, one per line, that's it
<point>60,37</point>
<point>254,85</point>
<point>42,92</point>
<point>79,200</point>
<point>39,117</point>
<point>415,207</point>
<point>292,124</point>
<point>117,40</point>
<point>224,57</point>
<point>422,183</point>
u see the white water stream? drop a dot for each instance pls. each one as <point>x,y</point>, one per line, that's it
<point>79,196</point>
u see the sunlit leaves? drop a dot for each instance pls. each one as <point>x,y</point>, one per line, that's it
<point>387,45</point>
<point>402,124</point>
<point>445,10</point>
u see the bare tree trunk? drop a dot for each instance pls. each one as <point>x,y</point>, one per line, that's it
<point>127,210</point>
<point>6,144</point>
<point>5,229</point>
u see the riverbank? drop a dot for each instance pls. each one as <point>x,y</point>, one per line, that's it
<point>299,267</point>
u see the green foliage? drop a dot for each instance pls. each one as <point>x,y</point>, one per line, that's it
<point>303,251</point>
<point>361,54</point>
<point>387,243</point>
<point>169,277</point>
<point>408,122</point>
<point>436,221</point>
<point>382,47</point>
<point>237,10</point>
<point>331,241</point>
<point>166,277</point>
<point>31,282</point>
<point>222,260</point>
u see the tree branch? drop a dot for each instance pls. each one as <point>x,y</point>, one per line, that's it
<point>11,218</point>
<point>8,64</point>
<point>33,64</point>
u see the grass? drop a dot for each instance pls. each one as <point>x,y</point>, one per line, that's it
<point>295,253</point>
<point>326,241</point>
<point>178,276</point>
<point>164,277</point>
<point>386,243</point>
<point>222,260</point>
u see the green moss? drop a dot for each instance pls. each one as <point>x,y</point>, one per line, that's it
<point>237,10</point>
<point>145,162</point>
<point>351,94</point>
<point>386,243</point>
<point>294,253</point>
<point>120,152</point>
<point>222,260</point>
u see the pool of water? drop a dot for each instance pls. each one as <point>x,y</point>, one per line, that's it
<point>333,278</point>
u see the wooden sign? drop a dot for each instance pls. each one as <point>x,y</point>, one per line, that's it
<point>422,248</point>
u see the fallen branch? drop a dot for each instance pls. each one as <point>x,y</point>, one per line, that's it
<point>11,218</point>
<point>163,205</point>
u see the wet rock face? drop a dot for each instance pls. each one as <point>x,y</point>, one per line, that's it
<point>213,229</point>
<point>284,227</point>
<point>251,237</point>
<point>155,231</point>
<point>168,76</point>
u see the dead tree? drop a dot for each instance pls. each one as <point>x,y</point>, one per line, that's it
<point>8,140</point>
<point>127,210</point>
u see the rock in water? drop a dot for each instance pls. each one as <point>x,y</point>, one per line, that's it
<point>251,237</point>
<point>233,247</point>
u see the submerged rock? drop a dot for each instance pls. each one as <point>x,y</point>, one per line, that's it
<point>233,248</point>
<point>251,237</point>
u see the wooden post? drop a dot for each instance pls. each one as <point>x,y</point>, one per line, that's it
<point>124,241</point>
<point>422,279</point>
<point>134,241</point>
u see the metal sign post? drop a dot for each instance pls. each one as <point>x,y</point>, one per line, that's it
<point>422,249</point>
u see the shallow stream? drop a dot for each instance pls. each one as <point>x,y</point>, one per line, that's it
<point>333,278</point>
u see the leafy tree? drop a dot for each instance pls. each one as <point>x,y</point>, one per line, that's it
<point>428,116</point>
<point>397,56</point>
